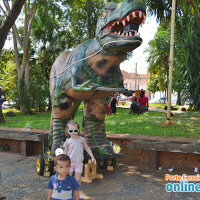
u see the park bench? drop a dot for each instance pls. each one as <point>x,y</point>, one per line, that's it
<point>19,140</point>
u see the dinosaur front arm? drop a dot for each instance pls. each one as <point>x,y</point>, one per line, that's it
<point>82,87</point>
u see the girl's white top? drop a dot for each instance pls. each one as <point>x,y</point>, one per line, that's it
<point>75,150</point>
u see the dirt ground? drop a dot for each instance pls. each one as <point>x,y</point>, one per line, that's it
<point>19,181</point>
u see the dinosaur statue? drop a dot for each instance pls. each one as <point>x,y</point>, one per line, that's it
<point>91,73</point>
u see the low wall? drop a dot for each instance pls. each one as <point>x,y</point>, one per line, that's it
<point>166,159</point>
<point>19,140</point>
<point>18,146</point>
<point>165,152</point>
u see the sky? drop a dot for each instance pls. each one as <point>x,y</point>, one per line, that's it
<point>147,33</point>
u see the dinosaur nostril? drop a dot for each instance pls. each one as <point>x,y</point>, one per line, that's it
<point>129,1</point>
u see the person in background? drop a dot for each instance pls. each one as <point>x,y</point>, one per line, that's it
<point>113,103</point>
<point>143,100</point>
<point>134,106</point>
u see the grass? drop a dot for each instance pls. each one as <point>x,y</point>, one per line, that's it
<point>154,105</point>
<point>186,125</point>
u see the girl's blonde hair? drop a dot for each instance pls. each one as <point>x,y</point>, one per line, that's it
<point>72,122</point>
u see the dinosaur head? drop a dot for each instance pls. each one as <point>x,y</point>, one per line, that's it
<point>117,28</point>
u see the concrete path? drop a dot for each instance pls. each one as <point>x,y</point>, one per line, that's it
<point>19,181</point>
<point>155,110</point>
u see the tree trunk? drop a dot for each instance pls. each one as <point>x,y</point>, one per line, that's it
<point>2,120</point>
<point>89,27</point>
<point>179,98</point>
<point>10,19</point>
<point>23,68</point>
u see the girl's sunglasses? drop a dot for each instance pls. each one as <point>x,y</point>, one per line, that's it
<point>73,131</point>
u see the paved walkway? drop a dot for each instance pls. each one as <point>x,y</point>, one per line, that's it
<point>155,110</point>
<point>19,181</point>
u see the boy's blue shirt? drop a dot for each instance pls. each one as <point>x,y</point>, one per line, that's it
<point>62,189</point>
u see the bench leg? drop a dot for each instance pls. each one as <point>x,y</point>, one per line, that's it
<point>154,160</point>
<point>27,148</point>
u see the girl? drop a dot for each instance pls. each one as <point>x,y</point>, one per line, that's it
<point>74,147</point>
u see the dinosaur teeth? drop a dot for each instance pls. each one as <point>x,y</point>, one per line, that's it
<point>127,34</point>
<point>117,22</point>
<point>130,33</point>
<point>135,33</point>
<point>124,23</point>
<point>134,15</point>
<point>140,14</point>
<point>128,18</point>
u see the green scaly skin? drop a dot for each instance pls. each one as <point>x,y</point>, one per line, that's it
<point>75,77</point>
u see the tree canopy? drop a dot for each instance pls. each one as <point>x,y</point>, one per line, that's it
<point>187,53</point>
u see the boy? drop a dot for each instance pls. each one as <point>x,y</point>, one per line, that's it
<point>62,185</point>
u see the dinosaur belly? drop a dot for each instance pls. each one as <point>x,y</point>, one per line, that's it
<point>87,95</point>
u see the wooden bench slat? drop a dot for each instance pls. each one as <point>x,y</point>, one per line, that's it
<point>29,136</point>
<point>165,146</point>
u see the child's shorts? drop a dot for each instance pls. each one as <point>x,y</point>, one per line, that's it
<point>76,167</point>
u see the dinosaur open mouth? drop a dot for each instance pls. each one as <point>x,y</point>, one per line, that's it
<point>126,27</point>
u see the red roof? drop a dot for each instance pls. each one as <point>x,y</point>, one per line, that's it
<point>127,75</point>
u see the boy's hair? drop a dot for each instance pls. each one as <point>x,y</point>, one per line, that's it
<point>61,157</point>
<point>72,122</point>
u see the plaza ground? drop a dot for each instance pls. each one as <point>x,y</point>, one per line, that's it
<point>19,181</point>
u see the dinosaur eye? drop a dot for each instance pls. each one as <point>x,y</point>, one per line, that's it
<point>104,15</point>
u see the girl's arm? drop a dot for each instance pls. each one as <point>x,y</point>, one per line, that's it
<point>49,194</point>
<point>87,148</point>
<point>66,148</point>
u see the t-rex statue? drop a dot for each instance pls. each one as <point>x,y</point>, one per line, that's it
<point>91,73</point>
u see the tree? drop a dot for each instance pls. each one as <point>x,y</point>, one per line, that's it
<point>10,19</point>
<point>159,59</point>
<point>24,43</point>
<point>162,8</point>
<point>83,16</point>
<point>8,76</point>
<point>186,65</point>
<point>188,58</point>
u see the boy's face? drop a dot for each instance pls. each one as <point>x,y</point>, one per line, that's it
<point>62,168</point>
<point>73,130</point>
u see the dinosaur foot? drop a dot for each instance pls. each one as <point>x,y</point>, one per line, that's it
<point>103,150</point>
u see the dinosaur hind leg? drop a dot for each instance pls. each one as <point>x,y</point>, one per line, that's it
<point>60,116</point>
<point>94,121</point>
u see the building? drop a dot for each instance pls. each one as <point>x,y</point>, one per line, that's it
<point>131,82</point>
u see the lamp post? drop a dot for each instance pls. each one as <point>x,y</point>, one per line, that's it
<point>135,76</point>
<point>171,63</point>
